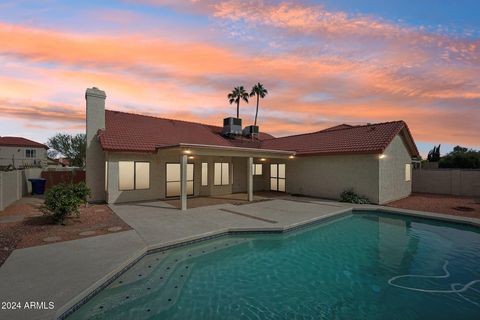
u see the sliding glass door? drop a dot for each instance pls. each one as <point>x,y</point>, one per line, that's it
<point>173,179</point>
<point>277,177</point>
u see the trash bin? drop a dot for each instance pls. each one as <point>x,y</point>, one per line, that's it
<point>38,185</point>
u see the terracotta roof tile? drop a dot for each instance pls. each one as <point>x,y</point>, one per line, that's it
<point>372,138</point>
<point>139,133</point>
<point>20,142</point>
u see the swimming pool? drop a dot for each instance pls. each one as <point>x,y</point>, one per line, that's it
<point>364,265</point>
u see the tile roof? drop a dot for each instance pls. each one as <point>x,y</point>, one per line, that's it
<point>345,139</point>
<point>20,142</point>
<point>138,133</point>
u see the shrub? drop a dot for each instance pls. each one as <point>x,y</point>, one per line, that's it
<point>65,199</point>
<point>351,197</point>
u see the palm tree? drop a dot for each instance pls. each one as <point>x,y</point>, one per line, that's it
<point>237,94</point>
<point>259,91</point>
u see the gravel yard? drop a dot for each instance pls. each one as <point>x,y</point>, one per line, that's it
<point>457,206</point>
<point>23,225</point>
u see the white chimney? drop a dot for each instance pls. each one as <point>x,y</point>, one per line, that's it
<point>95,157</point>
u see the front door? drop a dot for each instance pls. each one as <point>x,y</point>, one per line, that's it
<point>172,178</point>
<point>277,177</point>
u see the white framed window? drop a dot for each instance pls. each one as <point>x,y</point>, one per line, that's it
<point>204,174</point>
<point>221,173</point>
<point>173,183</point>
<point>408,172</point>
<point>133,175</point>
<point>277,177</point>
<point>30,153</point>
<point>257,169</point>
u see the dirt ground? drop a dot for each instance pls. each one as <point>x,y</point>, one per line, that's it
<point>23,225</point>
<point>457,206</point>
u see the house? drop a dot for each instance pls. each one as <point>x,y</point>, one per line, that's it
<point>133,157</point>
<point>19,152</point>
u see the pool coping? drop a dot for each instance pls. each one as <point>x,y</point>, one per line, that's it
<point>74,304</point>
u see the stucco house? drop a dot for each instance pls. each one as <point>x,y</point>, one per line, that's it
<point>133,157</point>
<point>19,152</point>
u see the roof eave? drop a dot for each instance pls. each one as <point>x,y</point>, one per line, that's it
<point>226,148</point>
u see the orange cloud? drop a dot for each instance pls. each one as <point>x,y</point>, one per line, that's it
<point>189,80</point>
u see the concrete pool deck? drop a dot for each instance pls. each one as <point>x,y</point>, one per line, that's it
<point>68,271</point>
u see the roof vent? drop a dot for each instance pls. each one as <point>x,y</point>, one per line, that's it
<point>232,126</point>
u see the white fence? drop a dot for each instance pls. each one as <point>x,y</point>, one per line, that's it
<point>447,181</point>
<point>14,185</point>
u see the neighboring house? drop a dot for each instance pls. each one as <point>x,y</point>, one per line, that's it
<point>58,163</point>
<point>134,157</point>
<point>20,152</point>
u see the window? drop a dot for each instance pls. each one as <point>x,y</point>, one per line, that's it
<point>257,169</point>
<point>173,184</point>
<point>30,153</point>
<point>277,177</point>
<point>142,175</point>
<point>221,173</point>
<point>204,174</point>
<point>133,175</point>
<point>408,172</point>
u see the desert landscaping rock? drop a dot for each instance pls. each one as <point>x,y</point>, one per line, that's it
<point>52,239</point>
<point>114,229</point>
<point>86,233</point>
<point>10,219</point>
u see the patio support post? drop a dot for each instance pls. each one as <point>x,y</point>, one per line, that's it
<point>183,182</point>
<point>250,178</point>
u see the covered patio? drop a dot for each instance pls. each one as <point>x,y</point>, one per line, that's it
<point>241,181</point>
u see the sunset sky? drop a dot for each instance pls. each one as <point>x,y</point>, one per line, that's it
<point>323,63</point>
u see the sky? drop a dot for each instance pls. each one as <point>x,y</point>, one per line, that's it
<point>323,62</point>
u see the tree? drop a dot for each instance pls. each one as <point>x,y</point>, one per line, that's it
<point>72,147</point>
<point>259,91</point>
<point>237,94</point>
<point>462,158</point>
<point>434,154</point>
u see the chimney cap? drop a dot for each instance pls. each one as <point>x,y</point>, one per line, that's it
<point>95,92</point>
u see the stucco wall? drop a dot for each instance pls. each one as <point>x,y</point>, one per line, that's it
<point>16,156</point>
<point>392,182</point>
<point>447,181</point>
<point>14,185</point>
<point>328,176</point>
<point>158,174</point>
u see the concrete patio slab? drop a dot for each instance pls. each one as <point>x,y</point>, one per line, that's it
<point>59,272</point>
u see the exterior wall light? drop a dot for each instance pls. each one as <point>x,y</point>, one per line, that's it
<point>291,157</point>
<point>382,156</point>
<point>263,159</point>
<point>191,157</point>
<point>187,151</point>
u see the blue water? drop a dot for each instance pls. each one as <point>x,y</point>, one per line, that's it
<point>347,268</point>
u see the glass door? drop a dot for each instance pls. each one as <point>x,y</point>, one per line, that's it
<point>172,179</point>
<point>277,177</point>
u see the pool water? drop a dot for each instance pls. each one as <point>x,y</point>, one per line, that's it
<point>361,266</point>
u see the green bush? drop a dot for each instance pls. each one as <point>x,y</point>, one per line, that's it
<point>351,197</point>
<point>65,199</point>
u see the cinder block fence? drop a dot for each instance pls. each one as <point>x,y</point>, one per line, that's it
<point>459,182</point>
<point>14,185</point>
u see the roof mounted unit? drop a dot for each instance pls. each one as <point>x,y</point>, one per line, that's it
<point>250,131</point>
<point>232,126</point>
